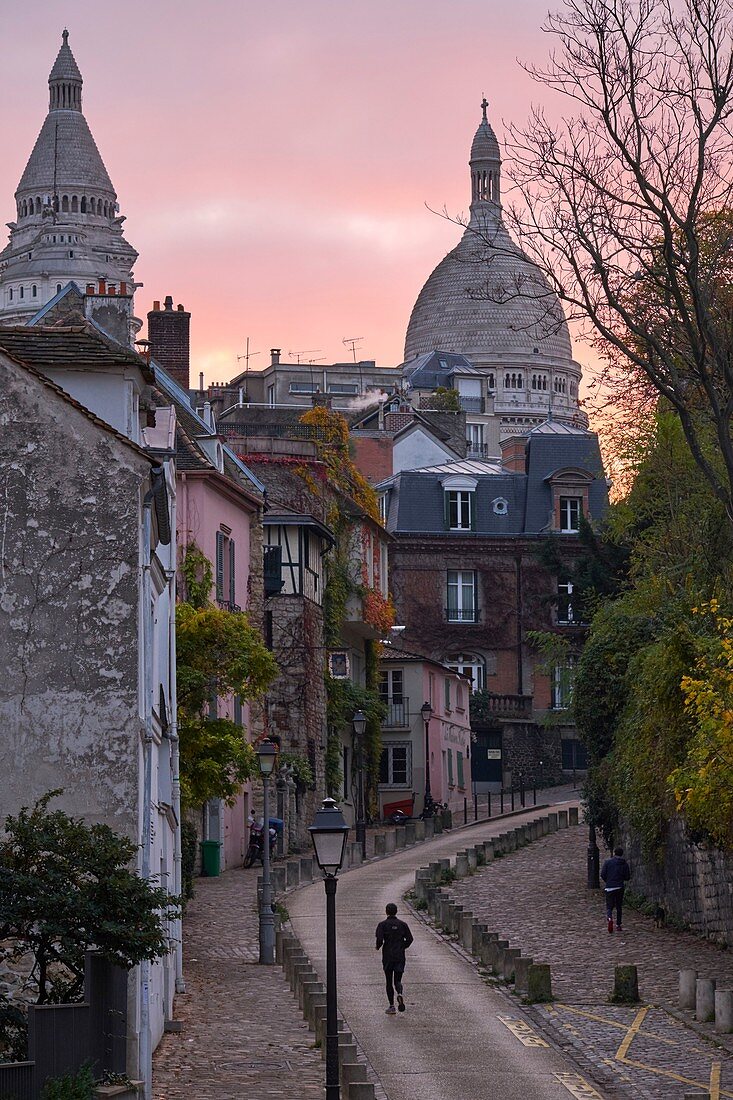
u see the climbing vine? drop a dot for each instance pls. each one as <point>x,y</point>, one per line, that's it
<point>198,576</point>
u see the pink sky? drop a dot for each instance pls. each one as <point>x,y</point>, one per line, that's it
<point>274,159</point>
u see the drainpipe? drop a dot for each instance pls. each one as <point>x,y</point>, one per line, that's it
<point>175,762</point>
<point>146,1046</point>
<point>520,616</point>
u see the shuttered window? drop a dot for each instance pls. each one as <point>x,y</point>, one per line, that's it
<point>220,565</point>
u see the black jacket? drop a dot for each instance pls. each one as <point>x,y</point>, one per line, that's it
<point>615,872</point>
<point>393,936</point>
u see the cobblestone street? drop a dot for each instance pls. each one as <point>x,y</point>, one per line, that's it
<point>537,899</point>
<point>243,1037</point>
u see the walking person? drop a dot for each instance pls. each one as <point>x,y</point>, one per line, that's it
<point>615,874</point>
<point>394,937</point>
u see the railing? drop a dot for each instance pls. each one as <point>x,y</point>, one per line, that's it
<point>471,404</point>
<point>487,705</point>
<point>482,451</point>
<point>398,714</point>
<point>462,614</point>
<point>227,605</point>
<point>275,431</point>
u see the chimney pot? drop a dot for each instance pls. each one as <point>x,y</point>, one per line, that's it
<point>123,288</point>
<point>168,303</point>
<point>156,307</point>
<point>180,309</point>
<point>201,380</point>
<point>274,356</point>
<point>102,286</point>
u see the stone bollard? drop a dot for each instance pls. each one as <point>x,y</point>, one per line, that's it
<point>432,900</point>
<point>419,827</point>
<point>521,975</point>
<point>539,984</point>
<point>573,815</point>
<point>409,832</point>
<point>454,918</point>
<point>292,873</point>
<point>361,1090</point>
<point>423,879</point>
<point>400,836</point>
<point>380,844</point>
<point>724,1011</point>
<point>357,855</point>
<point>552,822</point>
<point>442,915</point>
<point>477,933</point>
<point>306,868</point>
<point>347,1056</point>
<point>466,930</point>
<point>511,842</point>
<point>487,940</point>
<point>472,858</point>
<point>390,842</point>
<point>625,985</point>
<point>429,824</point>
<point>461,865</point>
<point>688,989</point>
<point>705,1000</point>
<point>434,870</point>
<point>496,955</point>
<point>544,826</point>
<point>533,831</point>
<point>511,954</point>
<point>315,1003</point>
<point>277,878</point>
<point>562,819</point>
<point>353,1073</point>
<point>489,850</point>
<point>308,987</point>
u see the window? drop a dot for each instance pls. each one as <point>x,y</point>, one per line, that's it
<point>570,512</point>
<point>462,596</point>
<point>475,438</point>
<point>447,699</point>
<point>343,387</point>
<point>469,664</point>
<point>562,684</point>
<point>391,684</point>
<point>459,509</point>
<point>383,504</point>
<point>459,763</point>
<point>238,710</point>
<point>22,292</point>
<point>395,765</point>
<point>34,290</point>
<point>303,387</point>
<point>271,395</point>
<point>225,573</point>
<point>565,602</point>
<point>449,761</point>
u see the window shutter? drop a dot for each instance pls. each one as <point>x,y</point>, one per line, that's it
<point>232,598</point>
<point>472,509</point>
<point>219,565</point>
<point>446,511</point>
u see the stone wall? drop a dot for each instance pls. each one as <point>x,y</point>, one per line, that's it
<point>693,882</point>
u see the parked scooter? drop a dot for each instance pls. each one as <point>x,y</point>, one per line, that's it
<point>255,851</point>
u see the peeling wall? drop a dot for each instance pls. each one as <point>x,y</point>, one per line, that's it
<point>69,544</point>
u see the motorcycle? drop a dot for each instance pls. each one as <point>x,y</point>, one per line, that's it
<point>255,851</point>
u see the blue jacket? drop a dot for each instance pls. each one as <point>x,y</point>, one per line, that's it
<point>615,872</point>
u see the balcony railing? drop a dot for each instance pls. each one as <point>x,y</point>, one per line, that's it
<point>480,451</point>
<point>398,714</point>
<point>227,605</point>
<point>471,404</point>
<point>462,614</point>
<point>487,706</point>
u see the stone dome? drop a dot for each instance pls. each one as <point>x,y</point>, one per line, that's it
<point>486,300</point>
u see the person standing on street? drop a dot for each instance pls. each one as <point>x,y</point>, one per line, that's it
<point>394,937</point>
<point>615,874</point>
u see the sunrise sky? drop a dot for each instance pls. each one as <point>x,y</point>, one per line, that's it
<point>274,160</point>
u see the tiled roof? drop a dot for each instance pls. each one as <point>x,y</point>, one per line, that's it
<point>68,346</point>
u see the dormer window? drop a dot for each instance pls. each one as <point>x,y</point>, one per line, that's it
<point>571,509</point>
<point>460,503</point>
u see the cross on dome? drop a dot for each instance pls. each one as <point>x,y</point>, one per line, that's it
<point>484,105</point>
<point>65,36</point>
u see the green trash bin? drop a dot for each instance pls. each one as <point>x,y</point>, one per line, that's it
<point>210,858</point>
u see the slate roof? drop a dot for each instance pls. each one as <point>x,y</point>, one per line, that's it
<point>416,497</point>
<point>434,368</point>
<point>68,346</point>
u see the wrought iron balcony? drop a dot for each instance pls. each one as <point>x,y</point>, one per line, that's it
<point>227,605</point>
<point>462,614</point>
<point>398,714</point>
<point>471,404</point>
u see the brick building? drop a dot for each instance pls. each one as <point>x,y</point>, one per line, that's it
<point>470,587</point>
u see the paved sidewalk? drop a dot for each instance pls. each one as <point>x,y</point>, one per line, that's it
<point>243,1036</point>
<point>537,898</point>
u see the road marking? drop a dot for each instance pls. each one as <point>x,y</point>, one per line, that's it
<point>527,1037</point>
<point>672,1076</point>
<point>615,1024</point>
<point>628,1039</point>
<point>578,1086</point>
<point>715,1070</point>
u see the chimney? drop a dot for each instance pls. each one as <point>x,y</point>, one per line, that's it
<point>274,357</point>
<point>513,454</point>
<point>102,286</point>
<point>169,336</point>
<point>201,381</point>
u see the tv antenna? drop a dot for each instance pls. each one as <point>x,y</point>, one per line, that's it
<point>353,341</point>
<point>247,356</point>
<point>299,356</point>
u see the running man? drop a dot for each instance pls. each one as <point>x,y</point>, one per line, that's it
<point>615,874</point>
<point>394,937</point>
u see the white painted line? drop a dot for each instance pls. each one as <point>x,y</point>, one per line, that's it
<point>522,1031</point>
<point>578,1086</point>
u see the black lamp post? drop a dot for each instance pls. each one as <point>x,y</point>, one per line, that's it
<point>428,807</point>
<point>266,757</point>
<point>328,833</point>
<point>359,723</point>
<point>594,882</point>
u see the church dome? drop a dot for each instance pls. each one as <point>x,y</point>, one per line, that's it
<point>485,299</point>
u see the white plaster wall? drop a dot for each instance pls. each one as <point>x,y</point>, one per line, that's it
<point>417,449</point>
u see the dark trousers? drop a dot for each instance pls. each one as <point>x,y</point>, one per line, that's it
<point>614,900</point>
<point>393,977</point>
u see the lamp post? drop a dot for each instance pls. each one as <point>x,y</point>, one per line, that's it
<point>594,882</point>
<point>428,807</point>
<point>266,757</point>
<point>359,723</point>
<point>328,833</point>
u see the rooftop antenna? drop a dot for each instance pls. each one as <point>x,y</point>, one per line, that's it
<point>353,341</point>
<point>247,356</point>
<point>298,355</point>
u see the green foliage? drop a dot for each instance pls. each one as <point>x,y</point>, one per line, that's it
<point>189,846</point>
<point>344,698</point>
<point>66,887</point>
<point>445,400</point>
<point>598,573</point>
<point>218,654</point>
<point>72,1086</point>
<point>198,576</point>
<point>13,1031</point>
<point>301,769</point>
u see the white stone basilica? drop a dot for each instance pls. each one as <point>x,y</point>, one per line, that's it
<point>487,302</point>
<point>68,226</point>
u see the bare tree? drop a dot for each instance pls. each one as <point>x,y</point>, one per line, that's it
<point>625,205</point>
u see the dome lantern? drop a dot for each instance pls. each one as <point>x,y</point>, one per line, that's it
<point>65,80</point>
<point>485,164</point>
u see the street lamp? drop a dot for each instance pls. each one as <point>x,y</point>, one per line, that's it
<point>359,723</point>
<point>594,858</point>
<point>328,833</point>
<point>266,758</point>
<point>428,807</point>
